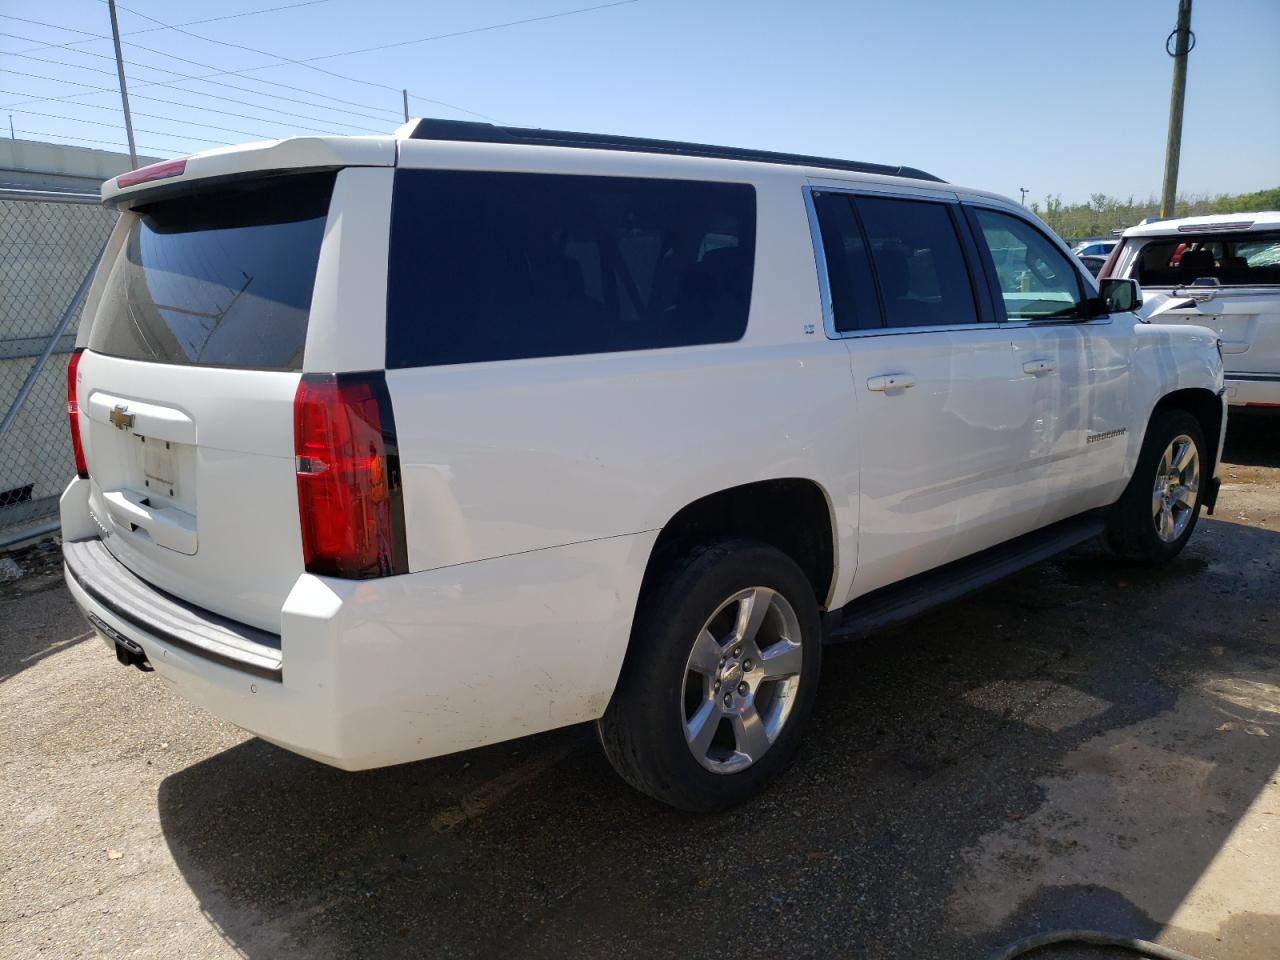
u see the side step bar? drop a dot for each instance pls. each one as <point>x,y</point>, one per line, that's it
<point>900,602</point>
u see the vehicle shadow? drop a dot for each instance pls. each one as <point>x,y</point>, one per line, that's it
<point>1253,440</point>
<point>1014,760</point>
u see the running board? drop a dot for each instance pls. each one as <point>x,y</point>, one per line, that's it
<point>899,602</point>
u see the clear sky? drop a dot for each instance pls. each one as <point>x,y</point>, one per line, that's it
<point>1059,97</point>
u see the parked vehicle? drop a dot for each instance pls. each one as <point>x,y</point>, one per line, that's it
<point>395,446</point>
<point>1093,264</point>
<point>1094,248</point>
<point>1220,272</point>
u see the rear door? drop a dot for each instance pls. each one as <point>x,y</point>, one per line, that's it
<point>193,354</point>
<point>945,421</point>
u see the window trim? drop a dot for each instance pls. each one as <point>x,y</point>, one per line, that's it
<point>993,281</point>
<point>970,250</point>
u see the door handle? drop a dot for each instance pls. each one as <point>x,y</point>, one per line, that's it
<point>1037,367</point>
<point>891,381</point>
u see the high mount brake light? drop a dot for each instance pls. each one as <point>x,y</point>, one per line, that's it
<point>73,413</point>
<point>156,171</point>
<point>348,469</point>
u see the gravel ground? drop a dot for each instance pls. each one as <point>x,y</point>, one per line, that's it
<point>1084,745</point>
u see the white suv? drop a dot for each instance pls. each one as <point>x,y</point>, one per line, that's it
<point>1221,272</point>
<point>392,447</point>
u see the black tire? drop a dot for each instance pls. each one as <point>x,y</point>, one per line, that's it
<point>643,728</point>
<point>1132,530</point>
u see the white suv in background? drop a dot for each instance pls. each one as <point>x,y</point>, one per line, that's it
<point>390,447</point>
<point>1221,272</point>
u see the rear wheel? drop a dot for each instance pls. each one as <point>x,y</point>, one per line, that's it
<point>1154,518</point>
<point>719,678</point>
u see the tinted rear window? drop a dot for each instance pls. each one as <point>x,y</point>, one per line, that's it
<point>499,266</point>
<point>220,277</point>
<point>1240,260</point>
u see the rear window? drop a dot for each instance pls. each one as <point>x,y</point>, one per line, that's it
<point>218,277</point>
<point>1234,260</point>
<point>500,266</point>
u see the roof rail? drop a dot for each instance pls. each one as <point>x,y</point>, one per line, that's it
<point>471,131</point>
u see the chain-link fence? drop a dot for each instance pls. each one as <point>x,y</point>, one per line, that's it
<point>48,243</point>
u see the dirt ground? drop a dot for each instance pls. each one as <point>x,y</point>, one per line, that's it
<point>1085,745</point>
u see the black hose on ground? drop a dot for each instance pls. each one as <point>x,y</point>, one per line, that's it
<point>1092,938</point>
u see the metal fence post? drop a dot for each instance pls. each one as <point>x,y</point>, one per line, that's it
<point>38,367</point>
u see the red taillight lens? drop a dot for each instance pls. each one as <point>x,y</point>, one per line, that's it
<point>348,476</point>
<point>73,413</point>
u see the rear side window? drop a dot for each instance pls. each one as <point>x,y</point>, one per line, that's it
<point>1233,260</point>
<point>501,266</point>
<point>853,291</point>
<point>218,277</point>
<point>919,264</point>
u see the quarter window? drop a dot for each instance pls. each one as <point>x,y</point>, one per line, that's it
<point>919,264</point>
<point>500,266</point>
<point>1037,281</point>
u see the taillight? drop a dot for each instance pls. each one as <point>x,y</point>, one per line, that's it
<point>157,171</point>
<point>73,413</point>
<point>348,469</point>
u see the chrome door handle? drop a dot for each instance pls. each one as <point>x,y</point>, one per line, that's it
<point>1036,367</point>
<point>891,381</point>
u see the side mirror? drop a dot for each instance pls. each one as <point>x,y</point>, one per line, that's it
<point>1120,295</point>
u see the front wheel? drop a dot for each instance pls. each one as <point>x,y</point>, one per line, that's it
<point>719,677</point>
<point>1154,518</point>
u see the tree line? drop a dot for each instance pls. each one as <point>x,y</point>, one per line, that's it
<point>1102,214</point>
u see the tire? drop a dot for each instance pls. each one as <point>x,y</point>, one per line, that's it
<point>1146,525</point>
<point>681,665</point>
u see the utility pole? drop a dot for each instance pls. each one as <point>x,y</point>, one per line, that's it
<point>124,90</point>
<point>1024,191</point>
<point>1183,40</point>
<point>12,136</point>
<point>406,105</point>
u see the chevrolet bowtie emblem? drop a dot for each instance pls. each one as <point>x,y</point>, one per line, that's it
<point>121,419</point>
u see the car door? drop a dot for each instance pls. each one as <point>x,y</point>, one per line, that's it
<point>944,420</point>
<point>1076,364</point>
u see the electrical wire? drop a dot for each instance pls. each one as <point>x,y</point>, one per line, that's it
<point>217,71</point>
<point>174,84</point>
<point>101,123</point>
<point>190,106</point>
<point>104,143</point>
<point>150,116</point>
<point>301,63</point>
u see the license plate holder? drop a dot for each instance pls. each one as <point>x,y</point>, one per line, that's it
<point>159,466</point>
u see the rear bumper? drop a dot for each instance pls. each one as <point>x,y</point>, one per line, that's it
<point>377,672</point>
<point>1259,390</point>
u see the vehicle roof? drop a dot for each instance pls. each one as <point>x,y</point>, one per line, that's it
<point>1213,223</point>
<point>331,152</point>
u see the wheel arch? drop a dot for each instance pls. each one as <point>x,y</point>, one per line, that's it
<point>793,514</point>
<point>1206,406</point>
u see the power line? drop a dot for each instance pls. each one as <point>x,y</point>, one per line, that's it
<point>460,33</point>
<point>300,63</point>
<point>105,143</point>
<point>175,85</point>
<point>154,116</point>
<point>191,106</point>
<point>149,116</point>
<point>218,72</point>
<point>103,123</point>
